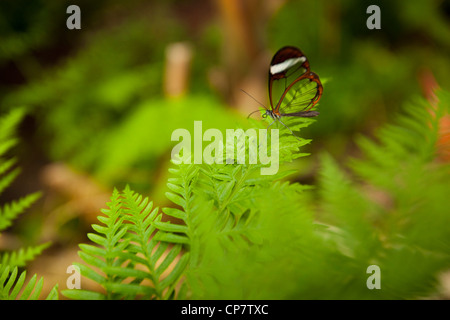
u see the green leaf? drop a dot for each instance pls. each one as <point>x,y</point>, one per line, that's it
<point>29,288</point>
<point>21,257</point>
<point>97,239</point>
<point>37,289</point>
<point>53,295</point>
<point>176,272</point>
<point>80,294</point>
<point>93,250</point>
<point>94,261</point>
<point>171,227</point>
<point>10,211</point>
<point>172,238</point>
<point>176,199</point>
<point>176,213</point>
<point>130,289</point>
<point>89,273</point>
<point>169,258</point>
<point>127,272</point>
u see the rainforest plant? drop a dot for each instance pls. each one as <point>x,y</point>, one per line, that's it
<point>13,284</point>
<point>232,233</point>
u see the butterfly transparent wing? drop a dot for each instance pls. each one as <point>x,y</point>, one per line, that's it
<point>293,88</point>
<point>280,81</point>
<point>301,95</point>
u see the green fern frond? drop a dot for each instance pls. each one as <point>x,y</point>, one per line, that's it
<point>9,122</point>
<point>182,194</point>
<point>406,145</point>
<point>219,206</point>
<point>109,254</point>
<point>10,211</point>
<point>7,144</point>
<point>158,252</point>
<point>133,262</point>
<point>233,233</point>
<point>12,288</point>
<point>21,257</point>
<point>349,210</point>
<point>6,180</point>
<point>398,219</point>
<point>290,145</point>
<point>6,165</point>
<point>159,258</point>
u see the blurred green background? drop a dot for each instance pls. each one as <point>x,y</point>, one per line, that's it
<point>103,101</point>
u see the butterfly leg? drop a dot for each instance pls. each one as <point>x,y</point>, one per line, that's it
<point>288,129</point>
<point>270,125</point>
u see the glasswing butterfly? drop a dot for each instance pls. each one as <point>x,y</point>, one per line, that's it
<point>293,88</point>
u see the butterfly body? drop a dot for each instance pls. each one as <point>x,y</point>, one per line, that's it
<point>303,114</point>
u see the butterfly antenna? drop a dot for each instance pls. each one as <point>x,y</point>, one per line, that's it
<point>253,113</point>
<point>262,105</point>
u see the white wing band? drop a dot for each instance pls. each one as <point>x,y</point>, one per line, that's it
<point>286,64</point>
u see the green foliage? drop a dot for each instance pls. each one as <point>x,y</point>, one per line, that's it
<point>10,289</point>
<point>19,258</point>
<point>9,211</point>
<point>230,232</point>
<point>394,212</point>
<point>211,198</point>
<point>233,233</point>
<point>125,86</point>
<point>145,133</point>
<point>132,262</point>
<point>10,285</point>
